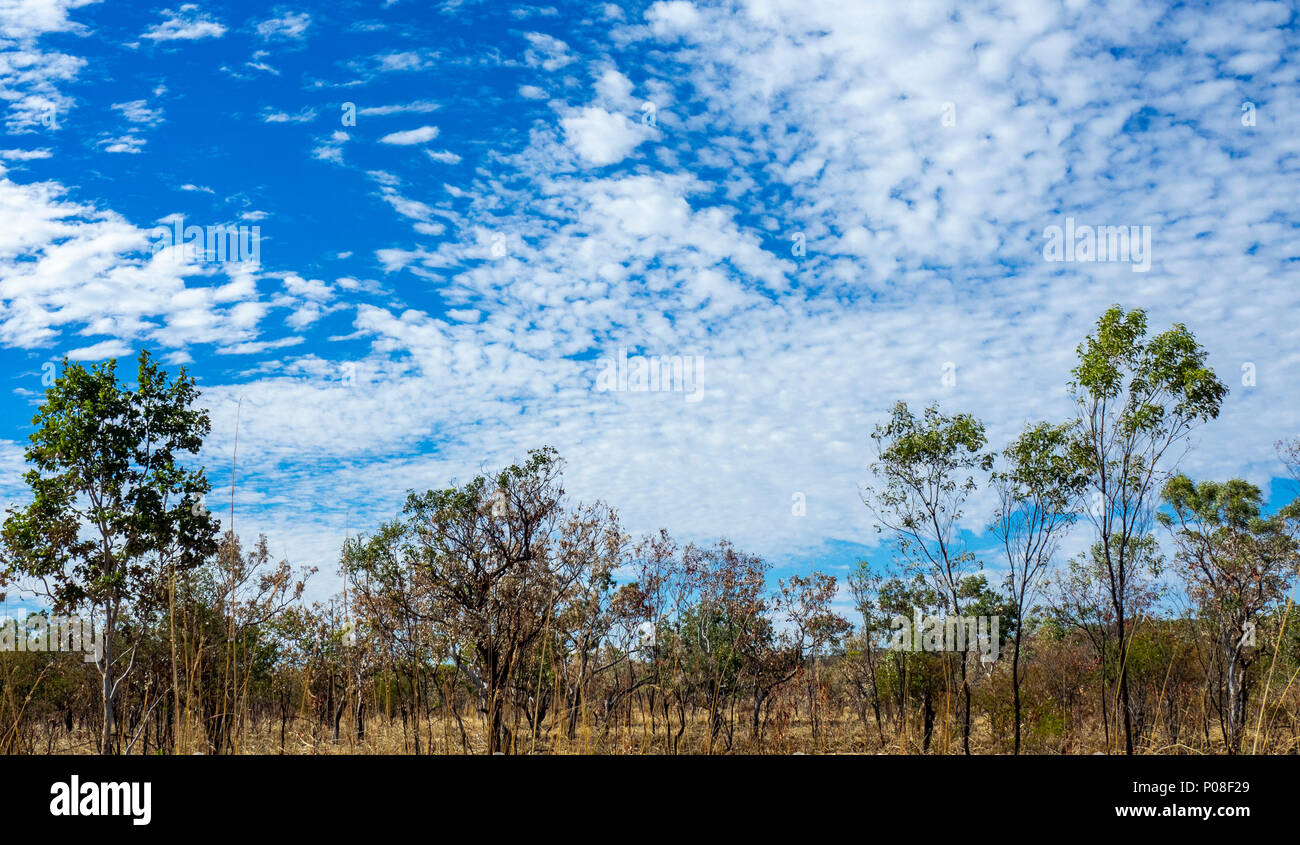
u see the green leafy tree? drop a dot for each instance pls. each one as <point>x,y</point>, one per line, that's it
<point>113,510</point>
<point>907,674</point>
<point>1137,399</point>
<point>1036,487</point>
<point>1236,564</point>
<point>925,467</point>
<point>484,554</point>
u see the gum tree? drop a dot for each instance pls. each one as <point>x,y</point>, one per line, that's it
<point>483,553</point>
<point>113,512</point>
<point>1036,487</point>
<point>1136,399</point>
<point>924,466</point>
<point>865,585</point>
<point>806,602</point>
<point>1235,564</point>
<point>1078,595</point>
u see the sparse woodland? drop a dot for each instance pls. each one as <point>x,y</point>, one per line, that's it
<point>499,615</point>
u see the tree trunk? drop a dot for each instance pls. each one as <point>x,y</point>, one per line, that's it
<point>1015,685</point>
<point>928,714</point>
<point>965,716</point>
<point>108,740</point>
<point>1123,685</point>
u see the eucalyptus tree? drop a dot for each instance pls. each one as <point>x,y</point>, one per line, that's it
<point>589,546</point>
<point>1236,563</point>
<point>926,469</point>
<point>482,551</point>
<point>114,511</point>
<point>1136,399</point>
<point>1079,597</point>
<point>1036,485</point>
<point>910,672</point>
<point>772,659</point>
<point>717,628</point>
<point>865,585</point>
<point>806,603</point>
<point>664,593</point>
<point>394,607</point>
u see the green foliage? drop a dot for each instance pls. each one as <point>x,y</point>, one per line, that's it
<point>1235,561</point>
<point>1136,397</point>
<point>926,465</point>
<point>111,499</point>
<point>1164,382</point>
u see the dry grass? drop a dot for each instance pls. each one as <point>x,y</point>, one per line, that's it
<point>842,734</point>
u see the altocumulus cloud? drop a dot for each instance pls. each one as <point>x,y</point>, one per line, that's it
<point>828,209</point>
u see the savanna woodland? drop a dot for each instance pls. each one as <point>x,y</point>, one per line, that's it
<point>498,615</point>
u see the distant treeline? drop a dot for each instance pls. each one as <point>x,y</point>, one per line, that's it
<point>498,615</point>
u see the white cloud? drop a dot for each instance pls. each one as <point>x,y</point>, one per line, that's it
<point>258,66</point>
<point>138,111</point>
<point>601,137</point>
<point>547,52</point>
<point>415,107</point>
<point>614,89</point>
<point>404,61</point>
<point>331,150</point>
<point>443,156</point>
<point>304,115</point>
<point>674,17</point>
<point>258,347</point>
<point>69,267</point>
<point>25,19</point>
<point>188,23</point>
<point>411,136</point>
<point>25,155</point>
<point>100,351</point>
<point>30,74</point>
<point>123,144</point>
<point>290,25</point>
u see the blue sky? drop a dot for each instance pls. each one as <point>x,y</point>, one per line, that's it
<point>825,206</point>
